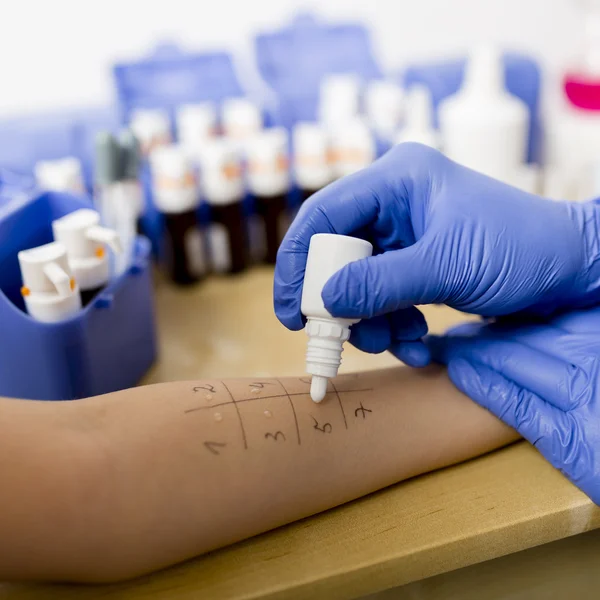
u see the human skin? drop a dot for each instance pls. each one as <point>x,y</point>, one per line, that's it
<point>111,487</point>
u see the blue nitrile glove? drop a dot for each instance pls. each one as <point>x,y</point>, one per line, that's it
<point>543,380</point>
<point>442,234</point>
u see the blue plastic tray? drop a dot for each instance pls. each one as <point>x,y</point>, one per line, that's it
<point>107,346</point>
<point>293,61</point>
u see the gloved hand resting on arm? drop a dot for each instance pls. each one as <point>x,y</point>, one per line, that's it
<point>542,380</point>
<point>442,234</point>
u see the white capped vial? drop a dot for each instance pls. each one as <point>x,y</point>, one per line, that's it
<point>327,254</point>
<point>418,125</point>
<point>353,147</point>
<point>223,189</point>
<point>61,175</point>
<point>151,127</point>
<point>196,123</point>
<point>85,242</point>
<point>339,98</point>
<point>241,119</point>
<point>268,162</point>
<point>312,164</point>
<point>384,107</point>
<point>49,290</point>
<point>176,195</point>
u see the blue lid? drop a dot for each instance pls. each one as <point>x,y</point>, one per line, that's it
<point>294,59</point>
<point>171,77</point>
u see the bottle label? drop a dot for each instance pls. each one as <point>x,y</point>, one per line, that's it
<point>220,252</point>
<point>194,249</point>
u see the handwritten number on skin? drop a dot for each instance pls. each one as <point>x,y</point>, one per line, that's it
<point>278,435</point>
<point>327,428</point>
<point>205,388</point>
<point>362,410</point>
<point>213,447</point>
<point>259,385</point>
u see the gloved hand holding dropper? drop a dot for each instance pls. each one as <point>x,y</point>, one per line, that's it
<point>441,233</point>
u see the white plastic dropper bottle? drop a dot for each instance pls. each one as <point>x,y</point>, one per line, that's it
<point>418,126</point>
<point>327,254</point>
<point>483,126</point>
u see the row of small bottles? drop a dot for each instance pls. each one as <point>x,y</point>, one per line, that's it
<point>221,164</point>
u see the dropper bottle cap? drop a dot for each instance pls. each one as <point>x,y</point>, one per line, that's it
<point>311,155</point>
<point>50,291</point>
<point>327,254</point>
<point>419,118</point>
<point>106,164</point>
<point>221,170</point>
<point>130,154</point>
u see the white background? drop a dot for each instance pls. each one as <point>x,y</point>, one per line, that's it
<point>57,53</point>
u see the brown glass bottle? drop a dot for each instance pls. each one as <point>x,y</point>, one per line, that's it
<point>228,239</point>
<point>305,194</point>
<point>184,253</point>
<point>272,211</point>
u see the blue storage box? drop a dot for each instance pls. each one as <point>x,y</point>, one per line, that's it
<point>107,346</point>
<point>522,76</point>
<point>293,60</point>
<point>27,139</point>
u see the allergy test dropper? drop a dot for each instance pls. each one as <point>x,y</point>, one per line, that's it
<point>327,254</point>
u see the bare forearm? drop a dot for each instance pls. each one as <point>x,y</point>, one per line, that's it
<point>187,467</point>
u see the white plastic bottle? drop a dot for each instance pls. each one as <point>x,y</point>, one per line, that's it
<point>418,125</point>
<point>61,175</point>
<point>195,124</point>
<point>49,289</point>
<point>483,126</point>
<point>339,99</point>
<point>241,119</point>
<point>152,128</point>
<point>311,158</point>
<point>353,147</point>
<point>85,241</point>
<point>384,107</point>
<point>327,254</point>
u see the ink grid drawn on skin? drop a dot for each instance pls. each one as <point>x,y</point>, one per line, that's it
<point>277,422</point>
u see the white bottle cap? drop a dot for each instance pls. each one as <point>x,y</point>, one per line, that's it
<point>418,126</point>
<point>268,162</point>
<point>50,292</point>
<point>174,186</point>
<point>353,147</point>
<point>222,176</point>
<point>241,118</point>
<point>62,175</point>
<point>151,127</point>
<point>196,123</point>
<point>339,98</point>
<point>327,254</point>
<point>80,233</point>
<point>483,126</point>
<point>311,151</point>
<point>384,106</point>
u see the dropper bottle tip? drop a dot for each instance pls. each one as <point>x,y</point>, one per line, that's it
<point>318,388</point>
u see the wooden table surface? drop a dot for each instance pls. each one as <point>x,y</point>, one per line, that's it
<point>498,504</point>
